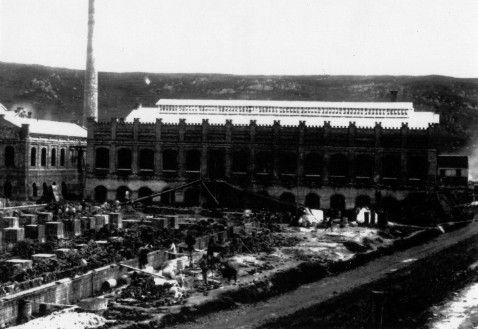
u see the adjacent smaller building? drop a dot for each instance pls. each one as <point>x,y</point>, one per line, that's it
<point>35,154</point>
<point>453,170</point>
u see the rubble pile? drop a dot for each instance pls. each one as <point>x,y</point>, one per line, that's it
<point>143,288</point>
<point>265,241</point>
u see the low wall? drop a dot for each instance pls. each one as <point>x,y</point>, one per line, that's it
<point>64,291</point>
<point>71,290</point>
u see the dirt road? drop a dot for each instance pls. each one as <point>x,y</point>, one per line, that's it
<point>255,315</point>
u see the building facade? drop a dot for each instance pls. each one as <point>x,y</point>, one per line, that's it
<point>34,154</point>
<point>321,154</point>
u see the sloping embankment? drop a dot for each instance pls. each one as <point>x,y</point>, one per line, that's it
<point>290,281</point>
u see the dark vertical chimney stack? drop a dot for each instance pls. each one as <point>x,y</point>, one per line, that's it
<point>393,95</point>
<point>90,101</point>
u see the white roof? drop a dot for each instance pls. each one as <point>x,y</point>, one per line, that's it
<point>289,113</point>
<point>268,103</point>
<point>45,127</point>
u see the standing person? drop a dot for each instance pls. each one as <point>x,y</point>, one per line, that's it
<point>172,252</point>
<point>203,264</point>
<point>211,247</point>
<point>190,242</point>
<point>143,257</point>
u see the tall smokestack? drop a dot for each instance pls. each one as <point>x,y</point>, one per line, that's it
<point>393,95</point>
<point>90,97</point>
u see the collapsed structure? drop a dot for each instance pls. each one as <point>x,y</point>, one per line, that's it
<point>321,154</point>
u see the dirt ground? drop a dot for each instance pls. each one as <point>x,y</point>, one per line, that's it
<point>299,308</point>
<point>294,246</point>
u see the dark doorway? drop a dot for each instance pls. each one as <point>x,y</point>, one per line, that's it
<point>143,192</point>
<point>101,194</point>
<point>287,197</point>
<point>34,190</point>
<point>121,194</point>
<point>312,201</point>
<point>362,201</point>
<point>337,202</point>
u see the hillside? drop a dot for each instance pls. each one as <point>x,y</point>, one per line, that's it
<point>56,93</point>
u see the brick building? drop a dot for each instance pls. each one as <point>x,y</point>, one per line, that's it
<point>34,154</point>
<point>327,154</point>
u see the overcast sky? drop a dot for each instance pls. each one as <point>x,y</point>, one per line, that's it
<point>249,36</point>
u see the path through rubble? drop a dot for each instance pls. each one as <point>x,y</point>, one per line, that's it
<point>307,296</point>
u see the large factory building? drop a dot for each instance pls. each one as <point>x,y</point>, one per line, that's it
<point>322,154</point>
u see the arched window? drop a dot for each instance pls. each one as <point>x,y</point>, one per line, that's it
<point>33,157</point>
<point>313,164</point>
<point>288,163</point>
<point>391,166</point>
<point>9,157</point>
<point>193,160</point>
<point>216,163</point>
<point>146,159</point>
<point>124,158</point>
<point>43,157</point>
<point>339,165</point>
<point>102,158</point>
<point>417,167</point>
<point>62,157</point>
<point>264,162</point>
<point>53,157</point>
<point>170,160</point>
<point>364,166</point>
<point>240,161</point>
